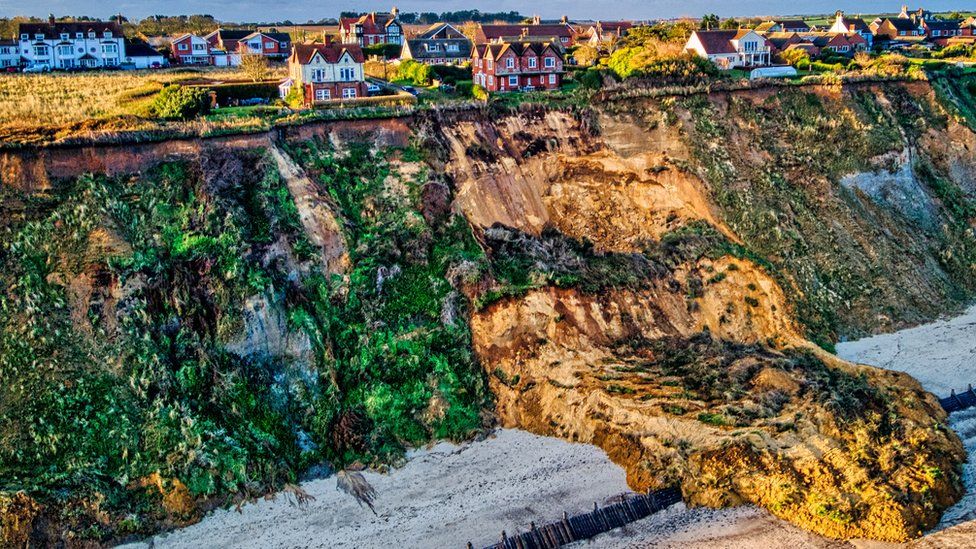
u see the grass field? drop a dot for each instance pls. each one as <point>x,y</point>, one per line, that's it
<point>29,101</point>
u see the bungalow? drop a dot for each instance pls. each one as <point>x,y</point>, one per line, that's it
<point>441,44</point>
<point>729,49</point>
<point>512,66</point>
<point>191,49</point>
<point>326,72</point>
<point>843,25</point>
<point>141,55</point>
<point>77,44</point>
<point>274,45</point>
<point>560,33</point>
<point>372,29</point>
<point>605,31</point>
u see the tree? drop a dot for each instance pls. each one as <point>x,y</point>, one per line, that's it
<point>586,55</point>
<point>255,66</point>
<point>180,102</point>
<point>296,97</point>
<point>414,72</point>
<point>729,24</point>
<point>709,21</point>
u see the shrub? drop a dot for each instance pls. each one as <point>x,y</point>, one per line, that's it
<point>296,97</point>
<point>180,103</point>
<point>414,72</point>
<point>451,74</point>
<point>591,80</point>
<point>384,51</point>
<point>465,88</point>
<point>228,93</point>
<point>479,93</point>
<point>255,66</point>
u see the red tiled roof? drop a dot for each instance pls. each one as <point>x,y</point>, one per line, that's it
<point>496,32</point>
<point>719,41</point>
<point>303,53</point>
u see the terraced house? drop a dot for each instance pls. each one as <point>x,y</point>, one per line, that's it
<point>512,66</point>
<point>57,45</point>
<point>9,54</point>
<point>326,72</point>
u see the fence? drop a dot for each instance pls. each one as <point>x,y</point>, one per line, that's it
<point>587,525</point>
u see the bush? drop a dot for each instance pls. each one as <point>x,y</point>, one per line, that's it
<point>479,93</point>
<point>414,72</point>
<point>591,80</point>
<point>228,93</point>
<point>465,88</point>
<point>296,97</point>
<point>451,74</point>
<point>384,51</point>
<point>180,103</point>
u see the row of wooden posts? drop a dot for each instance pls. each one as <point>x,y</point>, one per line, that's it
<point>587,525</point>
<point>954,402</point>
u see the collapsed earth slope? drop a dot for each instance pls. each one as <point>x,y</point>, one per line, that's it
<point>202,323</point>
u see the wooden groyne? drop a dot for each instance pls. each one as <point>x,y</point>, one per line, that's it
<point>954,402</point>
<point>587,525</point>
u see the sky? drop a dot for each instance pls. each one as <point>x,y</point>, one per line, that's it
<point>304,10</point>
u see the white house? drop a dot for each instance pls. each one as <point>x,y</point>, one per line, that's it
<point>141,55</point>
<point>9,54</point>
<point>729,49</point>
<point>89,44</point>
<point>326,72</point>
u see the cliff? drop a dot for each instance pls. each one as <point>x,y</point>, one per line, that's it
<point>198,322</point>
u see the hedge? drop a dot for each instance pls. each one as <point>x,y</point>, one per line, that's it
<point>226,93</point>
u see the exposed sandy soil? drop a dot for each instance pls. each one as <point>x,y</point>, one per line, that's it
<point>448,495</point>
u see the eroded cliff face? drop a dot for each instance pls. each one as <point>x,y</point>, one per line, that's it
<point>704,377</point>
<point>646,276</point>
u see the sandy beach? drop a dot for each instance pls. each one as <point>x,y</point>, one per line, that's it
<point>448,495</point>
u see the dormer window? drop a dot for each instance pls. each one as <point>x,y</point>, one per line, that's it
<point>79,35</point>
<point>550,62</point>
<point>108,34</point>
<point>510,63</point>
<point>91,34</point>
<point>38,37</point>
<point>64,36</point>
<point>25,37</point>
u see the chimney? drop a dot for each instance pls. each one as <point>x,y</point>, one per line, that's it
<point>904,12</point>
<point>564,20</point>
<point>50,18</point>
<point>536,20</point>
<point>395,12</point>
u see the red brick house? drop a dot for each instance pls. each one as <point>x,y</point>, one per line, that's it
<point>512,66</point>
<point>372,29</point>
<point>191,49</point>
<point>274,45</point>
<point>226,39</point>
<point>326,72</point>
<point>560,33</point>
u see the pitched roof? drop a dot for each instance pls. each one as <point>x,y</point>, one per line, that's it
<point>419,48</point>
<point>303,53</point>
<point>231,34</point>
<point>372,22</point>
<point>902,24</point>
<point>792,23</point>
<point>855,24</point>
<point>718,41</point>
<point>440,31</point>
<point>276,36</point>
<point>497,49</point>
<point>938,24</point>
<point>52,31</point>
<point>488,33</point>
<point>138,48</point>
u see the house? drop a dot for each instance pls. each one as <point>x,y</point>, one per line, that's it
<point>520,65</point>
<point>560,33</point>
<point>191,49</point>
<point>142,56</point>
<point>844,25</point>
<point>9,54</point>
<point>605,32</point>
<point>729,49</point>
<point>783,25</point>
<point>274,45</point>
<point>326,72</point>
<point>896,28</point>
<point>939,31</point>
<point>57,45</point>
<point>227,39</point>
<point>441,44</point>
<point>372,29</point>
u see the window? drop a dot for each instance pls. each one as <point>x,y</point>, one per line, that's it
<point>107,34</point>
<point>490,64</point>
<point>182,47</point>
<point>65,50</point>
<point>452,47</point>
<point>533,62</point>
<point>41,51</point>
<point>64,36</point>
<point>513,81</point>
<point>25,37</point>
<point>348,93</point>
<point>552,79</point>
<point>38,37</point>
<point>318,75</point>
<point>323,95</point>
<point>510,63</point>
<point>108,49</point>
<point>550,62</point>
<point>347,74</point>
<point>79,35</point>
<point>91,34</point>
